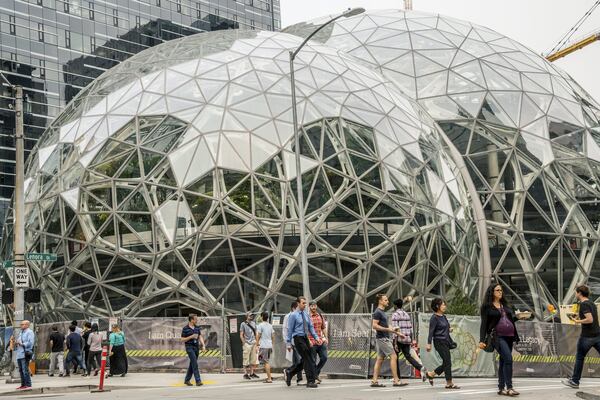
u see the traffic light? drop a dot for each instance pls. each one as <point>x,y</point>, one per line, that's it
<point>33,295</point>
<point>8,296</point>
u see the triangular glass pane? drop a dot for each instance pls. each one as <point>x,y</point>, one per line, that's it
<point>339,214</point>
<point>492,112</point>
<point>150,160</point>
<point>147,124</point>
<point>319,196</point>
<point>360,164</point>
<point>470,102</point>
<point>534,219</point>
<point>110,168</point>
<point>131,169</point>
<point>199,207</point>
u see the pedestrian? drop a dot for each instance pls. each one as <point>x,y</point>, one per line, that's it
<point>118,356</point>
<point>296,359</point>
<point>384,343</point>
<point>405,338</point>
<point>85,334</point>
<point>23,345</point>
<point>439,333</point>
<point>264,337</point>
<point>94,343</point>
<point>250,351</point>
<point>78,331</point>
<point>318,349</point>
<point>498,323</point>
<point>590,332</point>
<point>192,338</point>
<point>57,349</point>
<point>299,327</point>
<point>74,351</point>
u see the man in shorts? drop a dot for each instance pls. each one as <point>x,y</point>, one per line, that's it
<point>385,347</point>
<point>248,338</point>
<point>264,338</point>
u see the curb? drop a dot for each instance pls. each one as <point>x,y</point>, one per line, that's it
<point>66,389</point>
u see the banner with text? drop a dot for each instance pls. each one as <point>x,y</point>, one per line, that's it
<point>535,355</point>
<point>467,360</point>
<point>154,343</point>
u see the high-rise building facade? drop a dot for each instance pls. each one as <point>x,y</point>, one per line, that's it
<point>54,48</point>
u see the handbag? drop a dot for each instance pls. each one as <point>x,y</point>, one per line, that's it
<point>452,344</point>
<point>490,339</point>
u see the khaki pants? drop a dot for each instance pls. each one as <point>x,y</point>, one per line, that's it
<point>54,358</point>
<point>250,356</point>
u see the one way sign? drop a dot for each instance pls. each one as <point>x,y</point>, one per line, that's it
<point>21,277</point>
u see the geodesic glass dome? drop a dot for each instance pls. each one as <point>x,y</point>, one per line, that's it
<point>528,134</point>
<point>168,185</point>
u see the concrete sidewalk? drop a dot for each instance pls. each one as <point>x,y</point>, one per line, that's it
<point>42,383</point>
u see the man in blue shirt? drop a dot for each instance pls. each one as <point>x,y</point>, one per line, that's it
<point>24,349</point>
<point>190,335</point>
<point>74,347</point>
<point>299,326</point>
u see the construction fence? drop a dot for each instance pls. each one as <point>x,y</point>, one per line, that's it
<point>153,344</point>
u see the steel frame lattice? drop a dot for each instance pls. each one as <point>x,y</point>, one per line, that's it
<point>167,186</point>
<point>528,133</point>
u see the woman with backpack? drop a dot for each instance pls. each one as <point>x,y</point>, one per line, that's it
<point>499,332</point>
<point>439,334</point>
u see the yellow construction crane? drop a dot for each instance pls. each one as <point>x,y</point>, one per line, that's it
<point>563,48</point>
<point>573,47</point>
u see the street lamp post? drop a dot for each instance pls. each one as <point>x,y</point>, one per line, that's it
<point>301,220</point>
<point>18,219</point>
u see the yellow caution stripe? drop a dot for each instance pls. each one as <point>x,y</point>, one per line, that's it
<point>151,353</point>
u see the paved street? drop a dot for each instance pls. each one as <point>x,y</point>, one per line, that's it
<point>168,386</point>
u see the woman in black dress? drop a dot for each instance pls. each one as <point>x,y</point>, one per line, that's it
<point>118,356</point>
<point>498,320</point>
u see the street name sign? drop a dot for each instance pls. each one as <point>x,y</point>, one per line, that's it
<point>40,257</point>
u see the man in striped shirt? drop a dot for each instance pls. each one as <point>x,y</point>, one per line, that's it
<point>405,338</point>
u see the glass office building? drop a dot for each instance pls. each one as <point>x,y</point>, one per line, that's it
<point>55,48</point>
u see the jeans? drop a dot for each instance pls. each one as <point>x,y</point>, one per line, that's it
<point>57,358</point>
<point>503,346</point>
<point>74,356</point>
<point>308,363</point>
<point>192,353</point>
<point>24,371</point>
<point>320,351</point>
<point>584,345</point>
<point>404,348</point>
<point>443,349</point>
<point>95,358</point>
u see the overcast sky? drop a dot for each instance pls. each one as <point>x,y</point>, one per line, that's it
<point>537,24</point>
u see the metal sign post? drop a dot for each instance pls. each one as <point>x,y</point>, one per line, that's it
<point>19,226</point>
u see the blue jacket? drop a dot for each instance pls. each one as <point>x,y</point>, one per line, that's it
<point>25,343</point>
